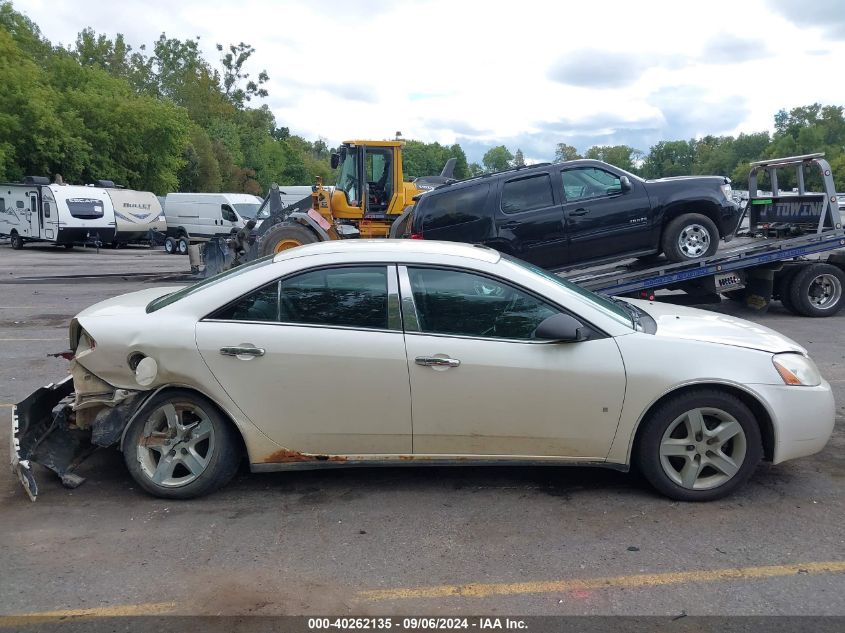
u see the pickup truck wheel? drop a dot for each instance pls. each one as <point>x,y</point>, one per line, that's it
<point>16,240</point>
<point>286,236</point>
<point>817,290</point>
<point>699,446</point>
<point>689,237</point>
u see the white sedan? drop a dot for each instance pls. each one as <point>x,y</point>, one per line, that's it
<point>375,352</point>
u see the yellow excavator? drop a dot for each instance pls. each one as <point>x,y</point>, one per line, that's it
<point>371,199</point>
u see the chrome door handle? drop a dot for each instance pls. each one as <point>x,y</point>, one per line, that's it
<point>434,361</point>
<point>242,351</point>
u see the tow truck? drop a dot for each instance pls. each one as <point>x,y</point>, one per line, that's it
<point>793,250</point>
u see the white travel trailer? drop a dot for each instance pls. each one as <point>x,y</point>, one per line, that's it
<point>196,217</point>
<point>37,211</point>
<point>136,213</point>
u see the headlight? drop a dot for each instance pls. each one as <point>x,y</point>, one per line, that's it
<point>796,369</point>
<point>726,189</point>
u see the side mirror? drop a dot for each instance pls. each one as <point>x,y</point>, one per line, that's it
<point>561,328</point>
<point>335,160</point>
<point>625,183</point>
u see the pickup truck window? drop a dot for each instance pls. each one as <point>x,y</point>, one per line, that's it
<point>589,182</point>
<point>453,206</point>
<point>525,194</point>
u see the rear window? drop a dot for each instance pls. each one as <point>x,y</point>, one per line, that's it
<point>173,297</point>
<point>526,194</point>
<point>85,208</point>
<point>453,206</point>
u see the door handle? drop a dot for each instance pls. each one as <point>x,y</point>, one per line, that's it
<point>435,361</point>
<point>242,351</point>
<point>509,225</point>
<point>580,212</point>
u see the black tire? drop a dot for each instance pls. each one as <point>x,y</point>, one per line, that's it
<point>170,246</point>
<point>703,238</point>
<point>182,245</point>
<point>649,459</point>
<point>224,446</point>
<point>782,284</point>
<point>286,233</point>
<point>16,241</point>
<point>817,290</point>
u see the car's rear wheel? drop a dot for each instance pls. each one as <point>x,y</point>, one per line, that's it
<point>16,240</point>
<point>180,447</point>
<point>689,237</point>
<point>699,446</point>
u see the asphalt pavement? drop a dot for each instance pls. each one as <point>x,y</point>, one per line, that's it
<point>457,540</point>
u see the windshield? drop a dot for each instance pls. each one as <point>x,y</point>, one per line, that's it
<point>173,297</point>
<point>247,210</point>
<point>347,178</point>
<point>604,304</point>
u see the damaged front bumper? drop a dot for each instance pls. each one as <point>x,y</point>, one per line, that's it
<point>52,428</point>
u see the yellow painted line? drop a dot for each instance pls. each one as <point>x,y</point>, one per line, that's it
<point>149,608</point>
<point>608,582</point>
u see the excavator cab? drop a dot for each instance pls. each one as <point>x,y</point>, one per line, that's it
<point>369,182</point>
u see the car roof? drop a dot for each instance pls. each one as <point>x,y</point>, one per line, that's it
<point>393,248</point>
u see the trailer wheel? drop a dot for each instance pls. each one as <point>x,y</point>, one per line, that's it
<point>183,245</point>
<point>16,240</point>
<point>169,246</point>
<point>689,237</point>
<point>286,236</point>
<point>817,290</point>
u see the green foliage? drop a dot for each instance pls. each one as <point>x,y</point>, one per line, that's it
<point>622,156</point>
<point>564,152</point>
<point>428,159</point>
<point>497,158</point>
<point>519,159</point>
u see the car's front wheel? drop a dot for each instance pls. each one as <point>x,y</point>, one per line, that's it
<point>689,237</point>
<point>699,446</point>
<point>179,446</point>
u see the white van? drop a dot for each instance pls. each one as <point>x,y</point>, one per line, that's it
<point>37,211</point>
<point>136,213</point>
<point>196,217</point>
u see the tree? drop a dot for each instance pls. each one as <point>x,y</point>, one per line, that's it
<point>519,159</point>
<point>497,159</point>
<point>669,158</point>
<point>565,152</point>
<point>621,156</point>
<point>233,74</point>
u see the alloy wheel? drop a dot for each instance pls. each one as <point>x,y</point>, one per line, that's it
<point>703,448</point>
<point>825,291</point>
<point>176,445</point>
<point>694,240</point>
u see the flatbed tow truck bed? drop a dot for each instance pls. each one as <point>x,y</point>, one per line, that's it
<point>757,266</point>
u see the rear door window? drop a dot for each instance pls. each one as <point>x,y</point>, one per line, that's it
<point>453,206</point>
<point>352,296</point>
<point>527,194</point>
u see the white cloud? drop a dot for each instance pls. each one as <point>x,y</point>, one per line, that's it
<point>526,74</point>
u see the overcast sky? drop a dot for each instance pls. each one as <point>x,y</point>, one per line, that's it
<point>527,74</point>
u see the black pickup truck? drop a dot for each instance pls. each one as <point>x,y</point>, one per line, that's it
<point>581,211</point>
